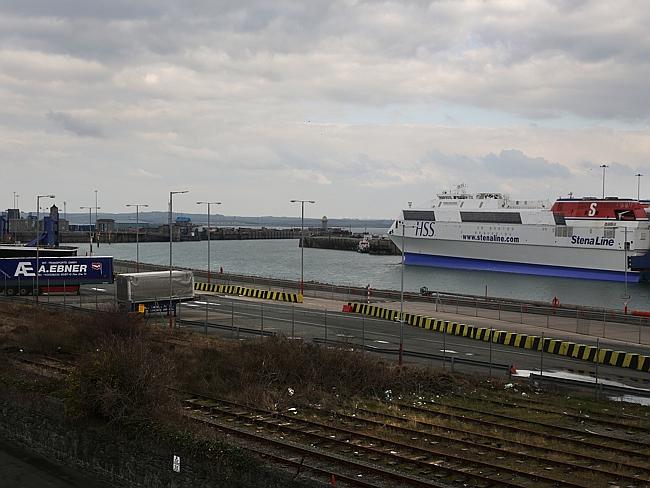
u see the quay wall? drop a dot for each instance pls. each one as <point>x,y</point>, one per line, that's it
<point>377,245</point>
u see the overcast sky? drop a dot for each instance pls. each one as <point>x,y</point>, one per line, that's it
<point>359,105</point>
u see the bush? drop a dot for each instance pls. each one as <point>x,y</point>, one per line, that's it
<point>263,372</point>
<point>125,380</point>
<point>48,331</point>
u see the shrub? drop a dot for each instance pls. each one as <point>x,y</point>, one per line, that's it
<point>125,380</point>
<point>262,372</point>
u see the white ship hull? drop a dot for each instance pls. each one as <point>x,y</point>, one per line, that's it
<point>594,251</point>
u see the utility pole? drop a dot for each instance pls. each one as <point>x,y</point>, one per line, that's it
<point>604,166</point>
<point>137,233</point>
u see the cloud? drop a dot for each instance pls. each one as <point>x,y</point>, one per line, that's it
<point>75,125</point>
<point>513,163</point>
<point>403,99</point>
<point>143,173</point>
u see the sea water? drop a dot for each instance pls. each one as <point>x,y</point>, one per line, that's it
<point>281,258</point>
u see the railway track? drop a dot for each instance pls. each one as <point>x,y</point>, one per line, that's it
<point>331,466</point>
<point>625,446</point>
<point>620,421</point>
<point>484,443</point>
<point>428,455</point>
<point>44,365</point>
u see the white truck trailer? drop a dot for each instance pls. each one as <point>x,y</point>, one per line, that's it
<point>154,291</point>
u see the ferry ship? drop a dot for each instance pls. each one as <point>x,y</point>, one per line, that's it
<point>589,238</point>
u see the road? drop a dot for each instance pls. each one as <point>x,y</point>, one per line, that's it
<point>320,319</point>
<point>237,317</point>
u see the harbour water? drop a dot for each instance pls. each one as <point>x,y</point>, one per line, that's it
<point>280,258</point>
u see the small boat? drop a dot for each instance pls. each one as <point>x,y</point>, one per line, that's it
<point>364,245</point>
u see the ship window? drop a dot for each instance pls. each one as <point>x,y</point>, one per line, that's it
<point>559,219</point>
<point>492,217</point>
<point>419,215</point>
<point>609,233</point>
<point>563,231</point>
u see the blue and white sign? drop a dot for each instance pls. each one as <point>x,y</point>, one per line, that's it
<point>72,268</point>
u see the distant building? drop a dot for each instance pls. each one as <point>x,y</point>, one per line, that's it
<point>323,223</point>
<point>106,225</point>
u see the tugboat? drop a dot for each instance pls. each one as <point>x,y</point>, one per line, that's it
<point>364,245</point>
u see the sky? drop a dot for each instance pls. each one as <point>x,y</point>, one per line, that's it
<point>359,105</point>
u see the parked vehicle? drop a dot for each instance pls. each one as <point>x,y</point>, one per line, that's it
<point>150,292</point>
<point>55,274</point>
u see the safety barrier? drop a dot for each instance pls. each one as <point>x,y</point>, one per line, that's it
<point>279,296</point>
<point>583,352</point>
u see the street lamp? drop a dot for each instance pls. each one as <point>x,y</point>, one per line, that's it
<point>171,210</point>
<point>604,166</point>
<point>401,300</point>
<point>38,237</point>
<point>137,233</point>
<point>208,204</point>
<point>90,224</point>
<point>16,195</point>
<point>96,208</point>
<point>302,242</point>
<point>638,186</point>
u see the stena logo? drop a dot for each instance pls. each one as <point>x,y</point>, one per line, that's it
<point>592,209</point>
<point>24,268</point>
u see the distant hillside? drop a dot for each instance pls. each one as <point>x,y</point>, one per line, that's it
<point>234,220</point>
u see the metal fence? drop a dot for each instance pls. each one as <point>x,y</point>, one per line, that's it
<point>239,319</point>
<point>591,321</point>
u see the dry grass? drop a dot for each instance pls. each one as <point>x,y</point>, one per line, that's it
<point>279,372</point>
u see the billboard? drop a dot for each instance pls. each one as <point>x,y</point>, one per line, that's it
<point>82,269</point>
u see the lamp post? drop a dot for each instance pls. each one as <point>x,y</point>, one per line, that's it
<point>302,242</point>
<point>171,210</point>
<point>401,301</point>
<point>90,225</point>
<point>638,186</point>
<point>38,237</point>
<point>16,195</point>
<point>626,246</point>
<point>604,166</point>
<point>208,204</point>
<point>137,233</point>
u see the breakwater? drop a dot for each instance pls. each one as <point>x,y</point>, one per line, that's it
<point>377,245</point>
<point>161,234</point>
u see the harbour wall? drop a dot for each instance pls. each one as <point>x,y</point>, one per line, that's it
<point>378,245</point>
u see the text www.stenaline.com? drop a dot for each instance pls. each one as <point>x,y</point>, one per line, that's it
<point>490,238</point>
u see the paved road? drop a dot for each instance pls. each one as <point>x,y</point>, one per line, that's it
<point>321,319</point>
<point>237,317</point>
<point>589,322</point>
<point>22,469</point>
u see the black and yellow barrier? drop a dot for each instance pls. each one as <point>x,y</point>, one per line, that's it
<point>279,296</point>
<point>583,352</point>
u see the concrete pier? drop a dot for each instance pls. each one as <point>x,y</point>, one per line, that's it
<point>378,245</point>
